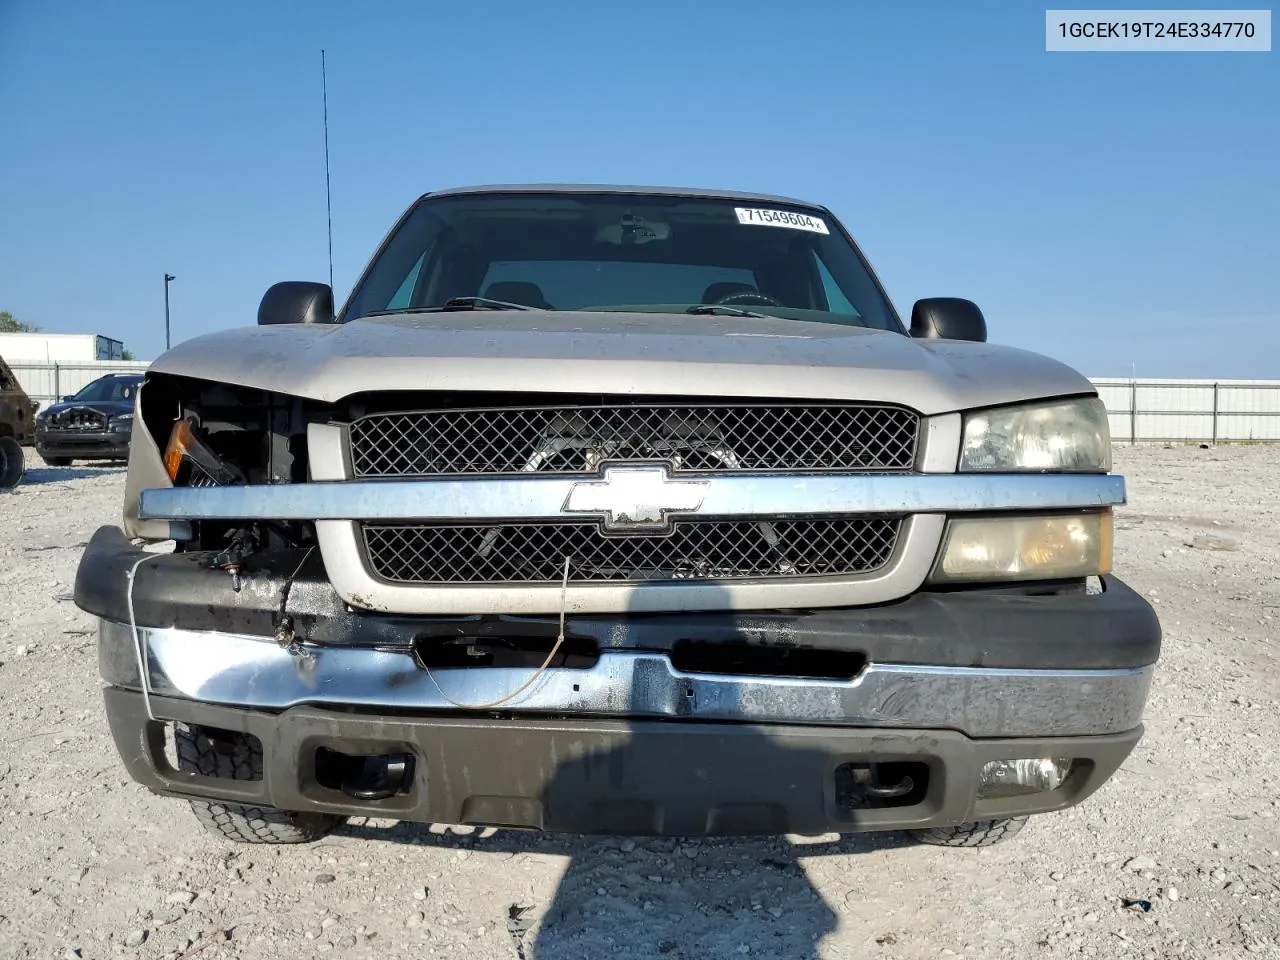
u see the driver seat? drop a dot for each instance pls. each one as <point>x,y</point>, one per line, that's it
<point>725,288</point>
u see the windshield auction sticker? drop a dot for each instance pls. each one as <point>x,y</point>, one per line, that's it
<point>780,218</point>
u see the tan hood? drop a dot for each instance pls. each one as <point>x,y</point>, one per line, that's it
<point>621,353</point>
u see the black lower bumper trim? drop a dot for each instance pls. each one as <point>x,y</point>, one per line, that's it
<point>83,446</point>
<point>612,777</point>
<point>981,628</point>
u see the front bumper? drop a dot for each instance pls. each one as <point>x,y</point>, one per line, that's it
<point>610,776</point>
<point>83,444</point>
<point>257,673</point>
<point>630,744</point>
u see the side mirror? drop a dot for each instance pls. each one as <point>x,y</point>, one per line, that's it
<point>296,301</point>
<point>67,399</point>
<point>948,318</point>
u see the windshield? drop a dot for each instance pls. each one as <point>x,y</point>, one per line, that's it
<point>109,388</point>
<point>611,251</point>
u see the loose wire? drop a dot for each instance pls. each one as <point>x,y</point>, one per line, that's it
<point>564,588</point>
<point>141,654</point>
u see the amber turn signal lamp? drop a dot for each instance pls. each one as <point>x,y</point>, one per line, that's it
<point>181,439</point>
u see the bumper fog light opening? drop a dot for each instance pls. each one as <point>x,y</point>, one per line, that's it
<point>1022,776</point>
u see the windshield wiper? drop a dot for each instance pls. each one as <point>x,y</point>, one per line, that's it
<point>719,308</point>
<point>452,304</point>
<point>483,303</point>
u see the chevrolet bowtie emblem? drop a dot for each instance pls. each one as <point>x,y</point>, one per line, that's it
<point>636,498</point>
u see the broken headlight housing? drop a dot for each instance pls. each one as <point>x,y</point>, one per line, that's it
<point>1066,435</point>
<point>190,462</point>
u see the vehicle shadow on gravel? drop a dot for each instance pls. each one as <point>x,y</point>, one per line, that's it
<point>41,474</point>
<point>687,899</point>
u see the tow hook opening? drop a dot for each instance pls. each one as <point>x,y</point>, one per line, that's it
<point>876,785</point>
<point>526,653</point>
<point>742,659</point>
<point>365,776</point>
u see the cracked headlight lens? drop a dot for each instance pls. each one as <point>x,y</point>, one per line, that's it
<point>1068,435</point>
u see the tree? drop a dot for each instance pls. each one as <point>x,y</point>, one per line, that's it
<point>126,355</point>
<point>10,324</point>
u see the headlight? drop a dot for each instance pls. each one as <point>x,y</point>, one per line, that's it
<point>122,423</point>
<point>1067,435</point>
<point>1025,548</point>
<point>189,462</point>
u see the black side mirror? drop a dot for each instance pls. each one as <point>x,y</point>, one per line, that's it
<point>948,318</point>
<point>296,301</point>
<point>68,399</point>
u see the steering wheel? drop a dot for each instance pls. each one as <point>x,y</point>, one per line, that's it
<point>748,297</point>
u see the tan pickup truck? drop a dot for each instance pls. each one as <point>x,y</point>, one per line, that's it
<point>618,510</point>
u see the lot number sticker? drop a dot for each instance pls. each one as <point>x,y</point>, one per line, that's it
<point>780,218</point>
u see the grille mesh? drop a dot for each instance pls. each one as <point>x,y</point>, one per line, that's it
<point>694,550</point>
<point>690,437</point>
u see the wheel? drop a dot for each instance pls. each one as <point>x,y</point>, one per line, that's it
<point>56,461</point>
<point>13,463</point>
<point>239,757</point>
<point>980,833</point>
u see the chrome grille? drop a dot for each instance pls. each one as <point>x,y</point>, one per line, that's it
<point>532,553</point>
<point>560,439</point>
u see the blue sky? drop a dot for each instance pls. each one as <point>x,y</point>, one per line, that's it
<point>1107,209</point>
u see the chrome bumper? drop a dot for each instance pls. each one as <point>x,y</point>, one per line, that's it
<point>256,673</point>
<point>551,498</point>
<point>338,504</point>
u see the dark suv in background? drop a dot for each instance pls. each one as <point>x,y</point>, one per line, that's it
<point>93,424</point>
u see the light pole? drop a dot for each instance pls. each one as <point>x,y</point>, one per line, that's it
<point>168,278</point>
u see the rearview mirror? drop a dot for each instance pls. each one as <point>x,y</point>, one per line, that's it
<point>948,318</point>
<point>296,301</point>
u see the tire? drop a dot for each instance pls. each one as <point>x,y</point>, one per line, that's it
<point>980,833</point>
<point>12,463</point>
<point>56,461</point>
<point>239,757</point>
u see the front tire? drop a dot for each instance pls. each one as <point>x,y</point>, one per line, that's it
<point>12,463</point>
<point>239,757</point>
<point>980,833</point>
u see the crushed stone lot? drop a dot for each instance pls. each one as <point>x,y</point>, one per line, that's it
<point>96,866</point>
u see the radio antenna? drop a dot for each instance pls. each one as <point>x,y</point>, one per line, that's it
<point>328,201</point>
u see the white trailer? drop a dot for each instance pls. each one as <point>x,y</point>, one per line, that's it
<point>59,347</point>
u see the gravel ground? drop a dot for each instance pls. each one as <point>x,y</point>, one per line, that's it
<point>98,867</point>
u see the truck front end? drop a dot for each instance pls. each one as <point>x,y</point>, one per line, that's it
<point>727,561</point>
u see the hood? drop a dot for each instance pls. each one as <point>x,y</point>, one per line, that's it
<point>112,408</point>
<point>620,353</point>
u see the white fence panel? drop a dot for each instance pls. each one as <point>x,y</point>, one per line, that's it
<point>1207,411</point>
<point>50,382</point>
